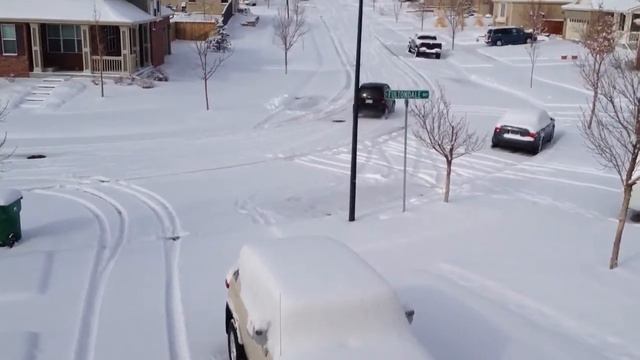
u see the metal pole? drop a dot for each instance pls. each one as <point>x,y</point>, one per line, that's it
<point>354,136</point>
<point>404,181</point>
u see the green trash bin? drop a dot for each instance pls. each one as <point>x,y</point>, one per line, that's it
<point>10,207</point>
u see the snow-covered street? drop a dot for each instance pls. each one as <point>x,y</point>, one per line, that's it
<point>144,199</point>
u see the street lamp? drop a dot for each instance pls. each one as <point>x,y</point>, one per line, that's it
<point>354,135</point>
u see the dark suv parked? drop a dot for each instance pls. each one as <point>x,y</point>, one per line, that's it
<point>508,36</point>
<point>371,100</point>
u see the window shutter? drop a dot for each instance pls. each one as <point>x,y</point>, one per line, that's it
<point>20,35</point>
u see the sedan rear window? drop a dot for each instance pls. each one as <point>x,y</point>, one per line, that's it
<point>426,37</point>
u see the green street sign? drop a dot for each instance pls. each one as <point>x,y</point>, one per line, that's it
<point>406,94</point>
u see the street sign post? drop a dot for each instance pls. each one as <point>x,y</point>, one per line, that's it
<point>406,95</point>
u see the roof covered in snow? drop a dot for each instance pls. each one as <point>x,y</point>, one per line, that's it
<point>9,196</point>
<point>116,12</point>
<point>312,269</point>
<point>607,5</point>
<point>530,119</point>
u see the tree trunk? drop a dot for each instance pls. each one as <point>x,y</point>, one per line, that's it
<point>206,93</point>
<point>593,107</point>
<point>447,182</point>
<point>622,220</point>
<point>286,62</point>
<point>422,20</point>
<point>596,93</point>
<point>533,64</point>
<point>101,79</point>
<point>453,39</point>
<point>287,9</point>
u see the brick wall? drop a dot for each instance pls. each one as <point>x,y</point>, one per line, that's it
<point>12,65</point>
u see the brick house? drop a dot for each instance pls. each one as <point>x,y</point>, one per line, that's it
<point>516,13</point>
<point>625,13</point>
<point>211,7</point>
<point>39,36</point>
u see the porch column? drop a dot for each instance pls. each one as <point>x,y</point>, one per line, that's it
<point>86,48</point>
<point>135,45</point>
<point>125,36</point>
<point>627,26</point>
<point>36,47</point>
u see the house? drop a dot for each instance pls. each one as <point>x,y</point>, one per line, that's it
<point>516,13</point>
<point>212,7</point>
<point>624,13</point>
<point>39,36</point>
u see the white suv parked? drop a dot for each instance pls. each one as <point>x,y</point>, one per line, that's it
<point>313,299</point>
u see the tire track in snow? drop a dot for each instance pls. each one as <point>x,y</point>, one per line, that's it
<point>331,107</point>
<point>607,345</point>
<point>105,257</point>
<point>172,230</point>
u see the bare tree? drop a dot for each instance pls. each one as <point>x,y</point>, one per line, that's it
<point>99,46</point>
<point>599,41</point>
<point>423,9</point>
<point>440,130</point>
<point>4,111</point>
<point>454,14</point>
<point>613,133</point>
<point>210,63</point>
<point>373,4</point>
<point>536,23</point>
<point>397,7</point>
<point>289,30</point>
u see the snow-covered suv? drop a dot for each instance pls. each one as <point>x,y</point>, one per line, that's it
<point>313,299</point>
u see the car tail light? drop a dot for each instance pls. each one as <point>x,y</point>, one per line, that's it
<point>532,134</point>
<point>497,128</point>
<point>226,283</point>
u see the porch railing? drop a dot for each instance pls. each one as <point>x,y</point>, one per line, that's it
<point>109,64</point>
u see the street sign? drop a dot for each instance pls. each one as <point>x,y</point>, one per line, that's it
<point>406,94</point>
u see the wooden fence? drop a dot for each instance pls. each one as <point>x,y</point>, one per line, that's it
<point>193,30</point>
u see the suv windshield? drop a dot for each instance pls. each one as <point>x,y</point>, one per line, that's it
<point>426,37</point>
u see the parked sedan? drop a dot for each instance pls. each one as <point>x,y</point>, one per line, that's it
<point>524,129</point>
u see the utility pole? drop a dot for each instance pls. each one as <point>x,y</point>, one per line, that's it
<point>354,136</point>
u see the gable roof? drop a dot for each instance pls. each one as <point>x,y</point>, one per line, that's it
<point>110,12</point>
<point>607,5</point>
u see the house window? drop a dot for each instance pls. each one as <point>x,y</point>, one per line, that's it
<point>621,22</point>
<point>503,10</point>
<point>9,39</point>
<point>634,26</point>
<point>64,39</point>
<point>110,35</point>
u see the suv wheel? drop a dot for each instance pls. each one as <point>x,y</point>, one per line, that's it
<point>236,351</point>
<point>499,43</point>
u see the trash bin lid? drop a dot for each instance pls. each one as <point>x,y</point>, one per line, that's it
<point>9,196</point>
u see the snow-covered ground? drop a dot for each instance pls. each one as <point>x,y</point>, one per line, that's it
<point>515,267</point>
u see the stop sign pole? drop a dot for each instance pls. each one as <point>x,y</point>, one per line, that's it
<point>406,95</point>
